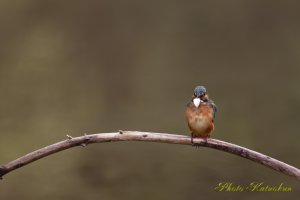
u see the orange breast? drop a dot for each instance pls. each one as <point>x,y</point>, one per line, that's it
<point>200,120</point>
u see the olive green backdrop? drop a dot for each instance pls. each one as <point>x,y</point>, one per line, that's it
<point>75,67</point>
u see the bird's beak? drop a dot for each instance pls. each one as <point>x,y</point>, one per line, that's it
<point>197,102</point>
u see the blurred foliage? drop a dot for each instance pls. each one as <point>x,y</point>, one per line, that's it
<point>75,67</point>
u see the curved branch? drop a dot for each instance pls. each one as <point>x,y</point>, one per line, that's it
<point>151,137</point>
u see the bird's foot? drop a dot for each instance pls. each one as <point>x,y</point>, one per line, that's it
<point>205,139</point>
<point>199,144</point>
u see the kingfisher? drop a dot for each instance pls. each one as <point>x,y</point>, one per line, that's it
<point>200,114</point>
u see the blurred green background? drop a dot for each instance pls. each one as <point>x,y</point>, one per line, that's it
<point>75,67</point>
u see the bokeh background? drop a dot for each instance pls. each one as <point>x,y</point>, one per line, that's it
<point>75,67</point>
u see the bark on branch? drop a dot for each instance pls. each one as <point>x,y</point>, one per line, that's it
<point>150,137</point>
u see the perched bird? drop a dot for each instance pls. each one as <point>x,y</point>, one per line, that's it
<point>200,114</point>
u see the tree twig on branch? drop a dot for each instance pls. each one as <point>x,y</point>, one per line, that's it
<point>150,137</point>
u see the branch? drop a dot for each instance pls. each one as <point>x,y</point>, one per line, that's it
<point>150,137</point>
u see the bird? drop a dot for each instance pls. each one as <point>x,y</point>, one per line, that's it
<point>200,114</point>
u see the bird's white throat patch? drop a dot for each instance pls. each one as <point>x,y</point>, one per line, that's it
<point>197,102</point>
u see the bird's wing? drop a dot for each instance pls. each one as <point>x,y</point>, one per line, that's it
<point>214,107</point>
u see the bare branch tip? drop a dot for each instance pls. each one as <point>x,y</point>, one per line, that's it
<point>3,171</point>
<point>69,137</point>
